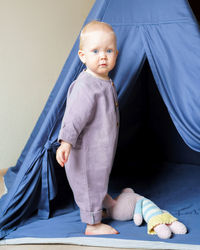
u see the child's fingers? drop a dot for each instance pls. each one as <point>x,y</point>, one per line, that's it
<point>66,154</point>
<point>59,158</point>
<point>59,161</point>
<point>62,155</point>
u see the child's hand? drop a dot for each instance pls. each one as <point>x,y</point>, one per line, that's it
<point>62,153</point>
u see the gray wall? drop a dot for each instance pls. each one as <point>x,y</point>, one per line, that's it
<point>36,37</point>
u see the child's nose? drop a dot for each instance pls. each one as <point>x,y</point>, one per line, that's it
<point>103,55</point>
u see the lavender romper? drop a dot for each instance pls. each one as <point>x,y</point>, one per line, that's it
<point>90,124</point>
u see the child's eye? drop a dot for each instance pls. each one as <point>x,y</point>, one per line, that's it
<point>95,51</point>
<point>109,51</point>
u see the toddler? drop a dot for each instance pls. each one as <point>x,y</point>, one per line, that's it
<point>89,129</point>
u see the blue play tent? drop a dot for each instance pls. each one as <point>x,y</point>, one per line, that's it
<point>157,80</point>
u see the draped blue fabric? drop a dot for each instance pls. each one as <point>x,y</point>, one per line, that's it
<point>163,32</point>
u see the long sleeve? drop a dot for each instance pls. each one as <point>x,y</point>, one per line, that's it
<point>79,110</point>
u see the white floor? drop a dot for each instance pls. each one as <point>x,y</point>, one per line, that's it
<point>56,247</point>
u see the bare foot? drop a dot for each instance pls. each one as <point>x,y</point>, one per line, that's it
<point>100,228</point>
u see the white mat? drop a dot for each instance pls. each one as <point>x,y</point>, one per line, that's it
<point>101,242</point>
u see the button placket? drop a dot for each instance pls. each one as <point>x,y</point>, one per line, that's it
<point>115,100</point>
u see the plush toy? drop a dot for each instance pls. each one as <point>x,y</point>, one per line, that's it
<point>129,205</point>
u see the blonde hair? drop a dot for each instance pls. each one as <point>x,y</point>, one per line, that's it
<point>94,26</point>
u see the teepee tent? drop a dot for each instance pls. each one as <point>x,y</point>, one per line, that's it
<point>157,80</point>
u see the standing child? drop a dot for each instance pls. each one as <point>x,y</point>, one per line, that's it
<point>90,125</point>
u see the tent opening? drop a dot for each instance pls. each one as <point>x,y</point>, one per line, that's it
<point>147,133</point>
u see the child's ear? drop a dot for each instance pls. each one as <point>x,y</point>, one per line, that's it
<point>81,56</point>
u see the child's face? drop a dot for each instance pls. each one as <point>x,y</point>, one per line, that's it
<point>99,53</point>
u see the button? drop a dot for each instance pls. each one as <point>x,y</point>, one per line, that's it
<point>116,104</point>
<point>112,83</point>
<point>117,124</point>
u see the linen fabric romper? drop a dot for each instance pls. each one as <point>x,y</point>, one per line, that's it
<point>90,124</point>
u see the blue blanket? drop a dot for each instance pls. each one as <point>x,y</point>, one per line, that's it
<point>176,189</point>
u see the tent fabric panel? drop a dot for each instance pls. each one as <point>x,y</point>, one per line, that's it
<point>147,12</point>
<point>175,70</point>
<point>129,62</point>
